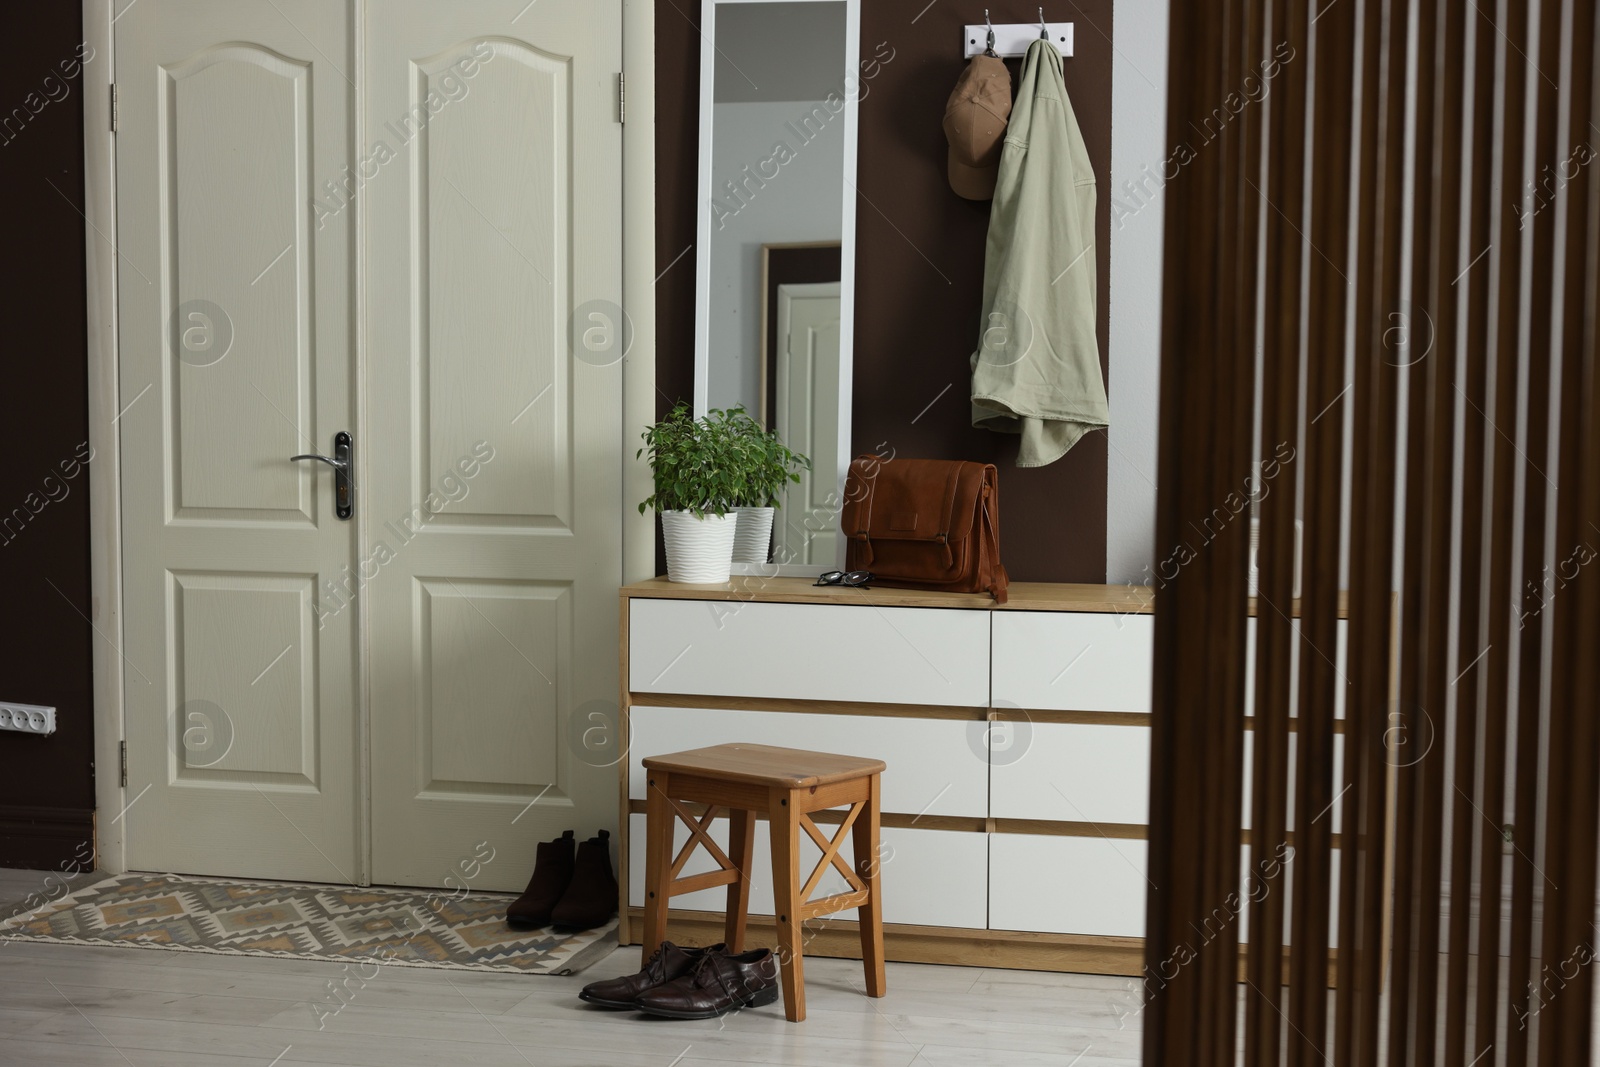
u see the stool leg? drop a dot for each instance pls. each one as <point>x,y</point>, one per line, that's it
<point>870,914</point>
<point>659,822</point>
<point>741,850</point>
<point>786,875</point>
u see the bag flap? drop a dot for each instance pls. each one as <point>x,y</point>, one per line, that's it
<point>912,499</point>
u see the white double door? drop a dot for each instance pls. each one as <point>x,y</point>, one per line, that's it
<point>375,218</point>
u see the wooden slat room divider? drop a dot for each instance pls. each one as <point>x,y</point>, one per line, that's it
<point>1379,312</point>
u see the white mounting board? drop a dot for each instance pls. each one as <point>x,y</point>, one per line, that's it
<point>1011,39</point>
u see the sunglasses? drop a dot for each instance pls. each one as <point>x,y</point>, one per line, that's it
<point>853,579</point>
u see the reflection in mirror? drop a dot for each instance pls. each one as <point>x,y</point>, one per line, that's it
<point>800,387</point>
<point>777,215</point>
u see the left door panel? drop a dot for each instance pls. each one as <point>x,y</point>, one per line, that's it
<point>235,336</point>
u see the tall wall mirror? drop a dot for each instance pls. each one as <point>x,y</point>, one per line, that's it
<point>775,292</point>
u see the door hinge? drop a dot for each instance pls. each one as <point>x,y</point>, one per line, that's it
<point>123,753</point>
<point>113,107</point>
<point>622,97</point>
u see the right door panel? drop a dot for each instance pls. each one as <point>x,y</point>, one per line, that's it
<point>494,492</point>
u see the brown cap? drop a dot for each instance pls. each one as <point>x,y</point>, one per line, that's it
<point>975,125</point>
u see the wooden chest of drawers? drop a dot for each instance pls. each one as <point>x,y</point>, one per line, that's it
<point>1016,738</point>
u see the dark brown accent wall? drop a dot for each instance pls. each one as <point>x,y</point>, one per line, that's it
<point>46,784</point>
<point>919,262</point>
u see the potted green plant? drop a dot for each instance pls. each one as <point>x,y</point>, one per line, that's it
<point>695,484</point>
<point>764,467</point>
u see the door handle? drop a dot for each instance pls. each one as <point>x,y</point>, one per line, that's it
<point>343,481</point>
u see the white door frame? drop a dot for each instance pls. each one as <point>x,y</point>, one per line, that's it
<point>105,404</point>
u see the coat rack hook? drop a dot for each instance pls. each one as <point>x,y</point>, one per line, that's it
<point>1011,40</point>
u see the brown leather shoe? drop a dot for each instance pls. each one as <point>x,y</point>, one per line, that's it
<point>717,984</point>
<point>591,898</point>
<point>552,873</point>
<point>668,962</point>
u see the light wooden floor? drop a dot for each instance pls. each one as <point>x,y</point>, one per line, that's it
<point>76,1006</point>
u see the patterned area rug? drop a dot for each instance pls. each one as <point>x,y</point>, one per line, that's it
<point>409,928</point>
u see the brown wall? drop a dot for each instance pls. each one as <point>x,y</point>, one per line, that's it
<point>46,784</point>
<point>919,262</point>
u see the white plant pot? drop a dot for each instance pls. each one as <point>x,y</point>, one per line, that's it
<point>752,543</point>
<point>698,550</point>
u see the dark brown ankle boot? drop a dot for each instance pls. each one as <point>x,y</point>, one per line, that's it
<point>552,873</point>
<point>591,899</point>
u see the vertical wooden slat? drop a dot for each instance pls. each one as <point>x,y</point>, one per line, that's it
<point>1369,55</point>
<point>1512,24</point>
<point>1437,291</point>
<point>1579,1029</point>
<point>1222,546</point>
<point>1578,1022</point>
<point>1579,620</point>
<point>1230,547</point>
<point>1324,437</point>
<point>1470,650</point>
<point>1563,991</point>
<point>1188,726</point>
<point>1284,250</point>
<point>1409,732</point>
<point>1246,294</point>
<point>1372,573</point>
<point>1366,656</point>
<point>1535,497</point>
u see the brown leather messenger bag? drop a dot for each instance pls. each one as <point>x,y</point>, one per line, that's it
<point>925,524</point>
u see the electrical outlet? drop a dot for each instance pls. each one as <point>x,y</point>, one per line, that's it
<point>27,718</point>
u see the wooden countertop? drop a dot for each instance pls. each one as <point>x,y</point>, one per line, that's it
<point>1023,596</point>
<point>801,591</point>
<point>1055,596</point>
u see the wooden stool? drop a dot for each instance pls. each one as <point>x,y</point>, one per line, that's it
<point>786,785</point>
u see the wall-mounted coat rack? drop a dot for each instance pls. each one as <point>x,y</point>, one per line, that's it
<point>1011,39</point>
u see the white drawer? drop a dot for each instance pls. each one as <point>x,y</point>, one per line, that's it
<point>1073,772</point>
<point>1341,654</point>
<point>1072,661</point>
<point>935,766</point>
<point>1065,661</point>
<point>1334,814</point>
<point>810,651</point>
<point>1066,885</point>
<point>930,877</point>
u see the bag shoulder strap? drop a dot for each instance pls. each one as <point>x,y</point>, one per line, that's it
<point>999,580</point>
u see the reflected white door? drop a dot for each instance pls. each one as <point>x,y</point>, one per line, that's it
<point>368,700</point>
<point>235,329</point>
<point>808,420</point>
<point>495,454</point>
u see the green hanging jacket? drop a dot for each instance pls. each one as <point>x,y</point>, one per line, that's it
<point>1036,371</point>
